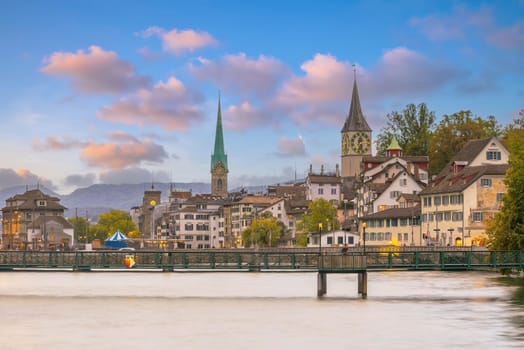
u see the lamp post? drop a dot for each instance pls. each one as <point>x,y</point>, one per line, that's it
<point>451,235</point>
<point>437,230</point>
<point>320,238</point>
<point>345,219</point>
<point>364,235</point>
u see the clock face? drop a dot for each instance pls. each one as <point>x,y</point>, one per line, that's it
<point>360,142</point>
<point>345,144</point>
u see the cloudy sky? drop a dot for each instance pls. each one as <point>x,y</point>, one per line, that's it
<point>127,91</point>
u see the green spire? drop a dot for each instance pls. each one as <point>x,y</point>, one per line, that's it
<point>393,146</point>
<point>219,154</point>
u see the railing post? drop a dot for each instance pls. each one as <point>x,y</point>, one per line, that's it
<point>212,260</point>
<point>293,261</point>
<point>184,260</point>
<point>266,261</point>
<point>442,260</point>
<point>390,259</point>
<point>239,261</point>
<point>416,260</point>
<point>468,259</point>
<point>494,259</point>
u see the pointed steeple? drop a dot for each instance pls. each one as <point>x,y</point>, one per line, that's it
<point>219,153</point>
<point>355,120</point>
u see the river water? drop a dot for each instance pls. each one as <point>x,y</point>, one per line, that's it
<point>133,310</point>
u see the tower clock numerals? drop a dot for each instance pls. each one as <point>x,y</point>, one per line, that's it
<point>345,144</point>
<point>360,142</point>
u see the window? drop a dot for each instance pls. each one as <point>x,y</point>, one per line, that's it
<point>320,191</point>
<point>394,194</point>
<point>403,182</point>
<point>334,191</point>
<point>499,196</point>
<point>427,201</point>
<point>437,200</point>
<point>456,216</point>
<point>394,222</point>
<point>485,182</point>
<point>189,227</point>
<point>188,216</point>
<point>340,240</point>
<point>329,240</point>
<point>445,200</point>
<point>399,237</point>
<point>477,216</point>
<point>406,237</point>
<point>493,155</point>
<point>351,240</point>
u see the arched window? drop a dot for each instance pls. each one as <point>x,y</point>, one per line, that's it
<point>219,185</point>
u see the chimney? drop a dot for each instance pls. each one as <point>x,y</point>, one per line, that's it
<point>322,169</point>
<point>337,172</point>
<point>310,169</point>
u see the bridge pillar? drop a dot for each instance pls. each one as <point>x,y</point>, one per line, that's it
<point>321,284</point>
<point>363,284</point>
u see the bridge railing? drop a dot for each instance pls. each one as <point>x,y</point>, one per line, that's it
<point>254,260</point>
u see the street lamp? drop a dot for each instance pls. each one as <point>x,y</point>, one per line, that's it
<point>320,238</point>
<point>364,235</point>
<point>451,235</point>
<point>345,221</point>
<point>437,230</point>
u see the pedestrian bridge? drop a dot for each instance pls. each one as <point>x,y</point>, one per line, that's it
<point>329,260</point>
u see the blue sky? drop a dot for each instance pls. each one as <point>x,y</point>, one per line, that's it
<point>127,91</point>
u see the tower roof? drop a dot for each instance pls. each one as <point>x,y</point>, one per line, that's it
<point>219,153</point>
<point>355,120</point>
<point>393,146</point>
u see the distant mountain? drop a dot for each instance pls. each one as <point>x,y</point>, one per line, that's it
<point>95,199</point>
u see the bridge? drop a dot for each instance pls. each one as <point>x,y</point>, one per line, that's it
<point>329,260</point>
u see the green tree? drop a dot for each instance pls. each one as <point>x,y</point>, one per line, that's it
<point>111,221</point>
<point>453,132</point>
<point>506,229</point>
<point>80,227</point>
<point>412,128</point>
<point>263,232</point>
<point>320,211</point>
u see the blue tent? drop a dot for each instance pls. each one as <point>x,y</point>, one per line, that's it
<point>117,240</point>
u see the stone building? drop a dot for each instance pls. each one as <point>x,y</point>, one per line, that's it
<point>34,220</point>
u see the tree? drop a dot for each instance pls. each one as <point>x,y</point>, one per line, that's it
<point>453,132</point>
<point>506,229</point>
<point>412,128</point>
<point>263,232</point>
<point>320,211</point>
<point>80,225</point>
<point>111,221</point>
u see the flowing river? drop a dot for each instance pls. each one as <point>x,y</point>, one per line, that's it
<point>170,310</point>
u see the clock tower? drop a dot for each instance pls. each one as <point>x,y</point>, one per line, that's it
<point>355,137</point>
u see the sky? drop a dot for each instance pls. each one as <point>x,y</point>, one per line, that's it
<point>111,92</point>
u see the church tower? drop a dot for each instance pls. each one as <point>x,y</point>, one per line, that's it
<point>355,137</point>
<point>219,168</point>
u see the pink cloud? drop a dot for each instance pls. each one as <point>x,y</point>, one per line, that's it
<point>291,148</point>
<point>179,42</point>
<point>170,105</point>
<point>245,116</point>
<point>55,144</point>
<point>97,71</point>
<point>326,80</point>
<point>22,177</point>
<point>508,38</point>
<point>120,155</point>
<point>242,75</point>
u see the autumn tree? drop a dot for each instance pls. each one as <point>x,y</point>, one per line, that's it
<point>320,211</point>
<point>506,229</point>
<point>412,128</point>
<point>263,232</point>
<point>453,132</point>
<point>111,221</point>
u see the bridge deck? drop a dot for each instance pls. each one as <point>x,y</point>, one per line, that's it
<point>283,260</point>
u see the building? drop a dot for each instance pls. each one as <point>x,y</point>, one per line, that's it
<point>219,169</point>
<point>355,137</point>
<point>34,220</point>
<point>395,226</point>
<point>323,185</point>
<point>465,194</point>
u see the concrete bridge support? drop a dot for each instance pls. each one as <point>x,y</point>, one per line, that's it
<point>321,284</point>
<point>363,284</point>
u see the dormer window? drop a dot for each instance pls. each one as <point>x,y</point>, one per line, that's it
<point>493,155</point>
<point>41,203</point>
